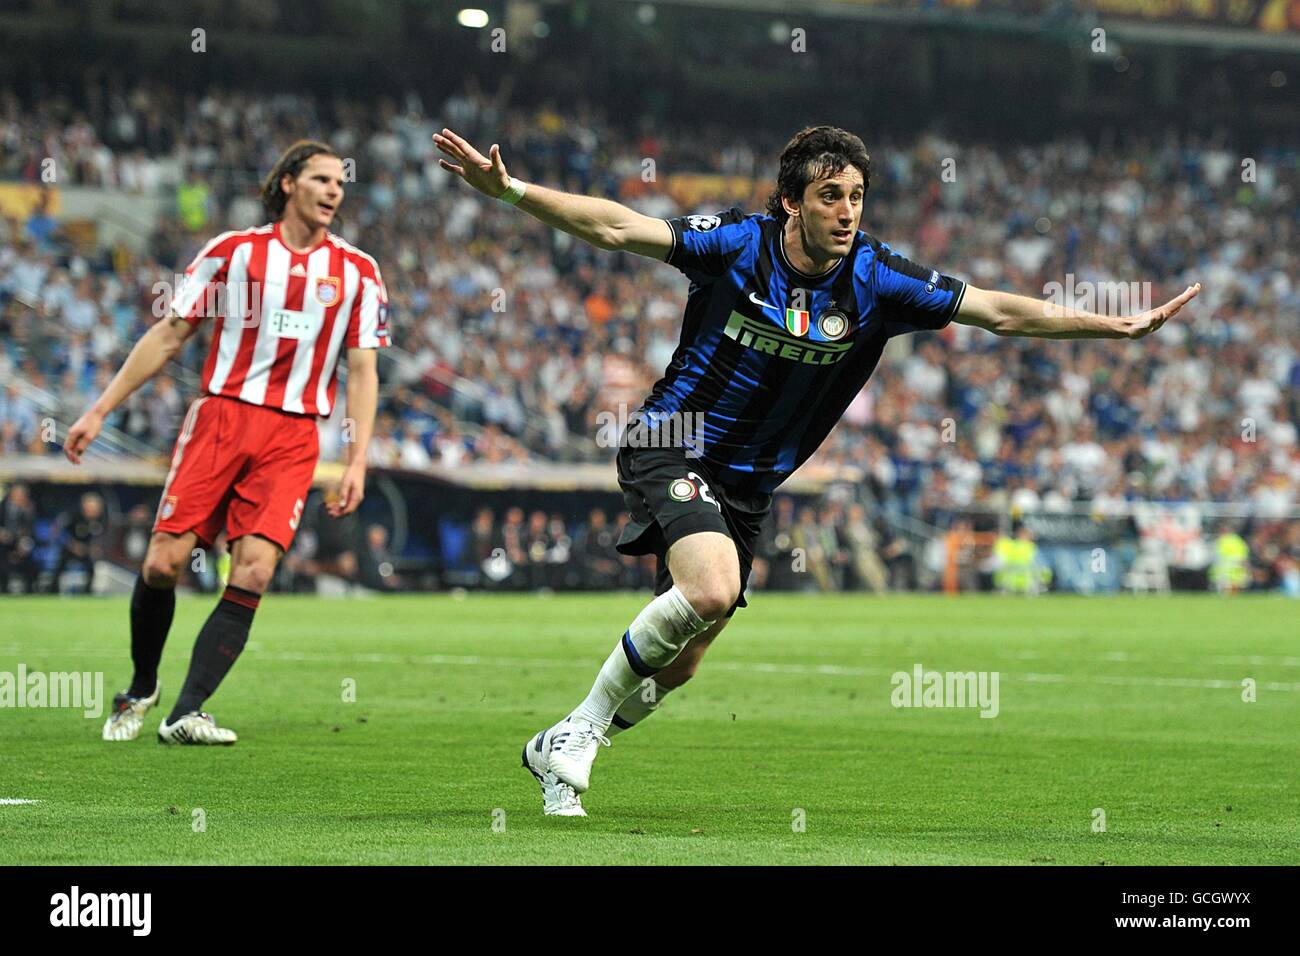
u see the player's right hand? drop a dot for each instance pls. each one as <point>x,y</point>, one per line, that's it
<point>487,175</point>
<point>81,434</point>
<point>1150,321</point>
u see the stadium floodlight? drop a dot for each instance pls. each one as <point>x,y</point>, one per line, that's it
<point>473,18</point>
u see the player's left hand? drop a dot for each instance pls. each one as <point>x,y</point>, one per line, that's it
<point>487,174</point>
<point>1144,323</point>
<point>81,434</point>
<point>351,489</point>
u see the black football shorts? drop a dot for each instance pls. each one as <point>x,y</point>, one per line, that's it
<point>671,495</point>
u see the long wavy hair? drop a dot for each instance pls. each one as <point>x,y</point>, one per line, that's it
<point>290,164</point>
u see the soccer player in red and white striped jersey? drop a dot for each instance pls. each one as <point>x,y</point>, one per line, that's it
<point>287,298</point>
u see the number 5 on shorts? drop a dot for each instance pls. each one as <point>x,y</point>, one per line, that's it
<point>704,490</point>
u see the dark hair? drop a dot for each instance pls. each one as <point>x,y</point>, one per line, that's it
<point>290,163</point>
<point>816,152</point>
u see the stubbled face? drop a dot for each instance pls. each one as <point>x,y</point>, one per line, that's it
<point>317,193</point>
<point>830,212</point>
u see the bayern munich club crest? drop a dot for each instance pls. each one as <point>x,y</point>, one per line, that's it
<point>833,324</point>
<point>327,290</point>
<point>681,489</point>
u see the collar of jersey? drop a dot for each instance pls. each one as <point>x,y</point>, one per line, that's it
<point>294,252</point>
<point>785,260</point>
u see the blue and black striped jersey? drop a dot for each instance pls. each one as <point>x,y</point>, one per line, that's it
<point>769,358</point>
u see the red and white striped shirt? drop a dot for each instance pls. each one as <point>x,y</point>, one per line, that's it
<point>282,316</point>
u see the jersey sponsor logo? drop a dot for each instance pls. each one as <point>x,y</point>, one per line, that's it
<point>771,340</point>
<point>327,290</point>
<point>681,489</point>
<point>291,324</point>
<point>703,223</point>
<point>833,324</point>
<point>796,321</point>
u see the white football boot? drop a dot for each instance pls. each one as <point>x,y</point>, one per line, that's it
<point>195,728</point>
<point>571,746</point>
<point>127,718</point>
<point>558,798</point>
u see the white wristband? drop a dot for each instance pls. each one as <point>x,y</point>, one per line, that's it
<point>514,192</point>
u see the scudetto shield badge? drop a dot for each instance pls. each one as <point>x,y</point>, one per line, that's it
<point>796,321</point>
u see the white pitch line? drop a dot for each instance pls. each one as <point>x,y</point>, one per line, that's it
<point>14,801</point>
<point>836,670</point>
<point>1125,657</point>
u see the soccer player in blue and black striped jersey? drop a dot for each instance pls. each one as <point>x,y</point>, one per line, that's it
<point>787,316</point>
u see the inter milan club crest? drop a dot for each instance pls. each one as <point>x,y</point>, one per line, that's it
<point>796,321</point>
<point>681,489</point>
<point>327,290</point>
<point>833,324</point>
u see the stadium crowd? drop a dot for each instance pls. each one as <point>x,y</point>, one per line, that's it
<point>512,339</point>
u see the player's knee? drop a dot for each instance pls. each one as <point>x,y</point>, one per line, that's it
<point>162,565</point>
<point>255,577</point>
<point>711,597</point>
<point>158,571</point>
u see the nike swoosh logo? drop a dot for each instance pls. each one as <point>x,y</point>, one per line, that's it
<point>753,297</point>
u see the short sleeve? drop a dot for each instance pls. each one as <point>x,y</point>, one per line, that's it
<point>913,297</point>
<point>368,323</point>
<point>705,247</point>
<point>197,297</point>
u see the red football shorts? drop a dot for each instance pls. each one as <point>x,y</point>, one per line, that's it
<point>243,467</point>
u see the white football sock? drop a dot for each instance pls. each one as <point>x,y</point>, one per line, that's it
<point>654,640</point>
<point>645,700</point>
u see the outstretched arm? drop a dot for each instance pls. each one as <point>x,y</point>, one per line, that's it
<point>155,349</point>
<point>1006,314</point>
<point>601,222</point>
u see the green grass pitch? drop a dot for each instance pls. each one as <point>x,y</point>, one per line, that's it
<point>1131,708</point>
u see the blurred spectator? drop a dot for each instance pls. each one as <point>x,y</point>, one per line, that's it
<point>1230,571</point>
<point>1018,568</point>
<point>864,551</point>
<point>376,564</point>
<point>595,552</point>
<point>18,540</point>
<point>81,534</point>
